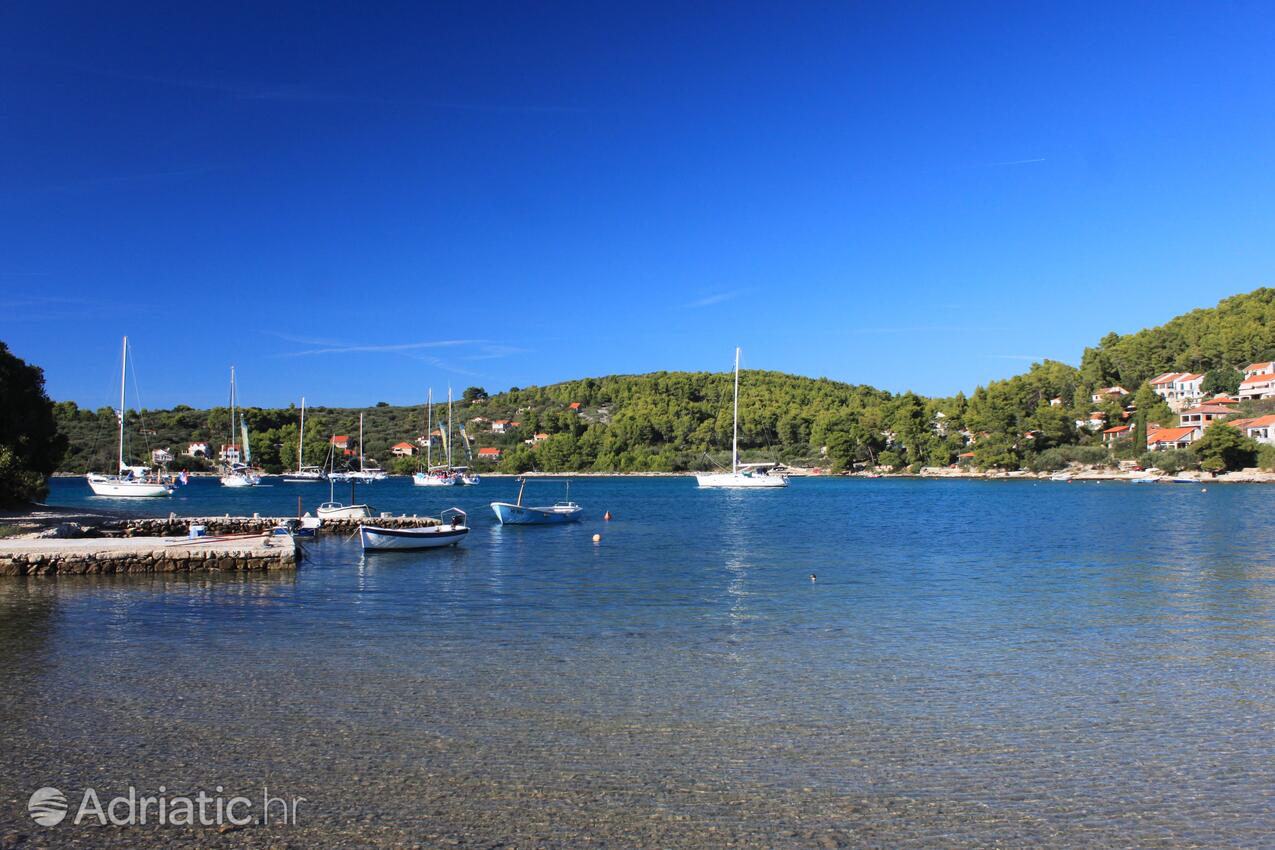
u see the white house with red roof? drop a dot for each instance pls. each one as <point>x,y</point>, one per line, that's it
<point>1172,438</point>
<point>229,453</point>
<point>1108,393</point>
<point>198,450</point>
<point>1116,432</point>
<point>1257,385</point>
<point>402,449</point>
<point>489,453</point>
<point>503,426</point>
<point>1179,389</point>
<point>1266,367</point>
<point>1203,414</point>
<point>1261,429</point>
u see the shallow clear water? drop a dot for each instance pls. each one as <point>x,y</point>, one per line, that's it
<point>977,664</point>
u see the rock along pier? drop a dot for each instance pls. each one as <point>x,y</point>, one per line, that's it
<point>104,555</point>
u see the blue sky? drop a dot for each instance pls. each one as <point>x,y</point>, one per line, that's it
<point>354,204</point>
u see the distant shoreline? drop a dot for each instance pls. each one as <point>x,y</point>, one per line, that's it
<point>1244,476</point>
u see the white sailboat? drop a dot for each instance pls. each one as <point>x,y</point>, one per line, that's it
<point>130,481</point>
<point>431,476</point>
<point>741,474</point>
<point>237,472</point>
<point>365,474</point>
<point>303,474</point>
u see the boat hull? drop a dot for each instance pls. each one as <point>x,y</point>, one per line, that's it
<point>376,539</point>
<point>421,480</point>
<point>343,512</point>
<point>116,488</point>
<point>511,514</point>
<point>740,480</point>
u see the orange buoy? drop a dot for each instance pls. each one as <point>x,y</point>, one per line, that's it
<point>607,516</point>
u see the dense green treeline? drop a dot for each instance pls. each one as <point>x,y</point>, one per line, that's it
<point>670,421</point>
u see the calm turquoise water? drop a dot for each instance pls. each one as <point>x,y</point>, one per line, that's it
<point>1029,663</point>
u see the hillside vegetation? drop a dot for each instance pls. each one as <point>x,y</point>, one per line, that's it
<point>669,421</point>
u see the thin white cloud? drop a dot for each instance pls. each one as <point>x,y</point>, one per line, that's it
<point>1019,161</point>
<point>391,348</point>
<point>715,298</point>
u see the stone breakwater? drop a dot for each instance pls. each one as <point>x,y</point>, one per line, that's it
<point>93,556</point>
<point>175,526</point>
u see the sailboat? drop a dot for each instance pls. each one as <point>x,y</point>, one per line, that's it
<point>130,481</point>
<point>741,474</point>
<point>431,476</point>
<point>365,474</point>
<point>237,472</point>
<point>303,474</point>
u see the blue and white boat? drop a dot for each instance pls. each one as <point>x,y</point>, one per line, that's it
<point>519,514</point>
<point>450,531</point>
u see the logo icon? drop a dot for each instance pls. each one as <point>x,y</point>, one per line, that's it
<point>47,806</point>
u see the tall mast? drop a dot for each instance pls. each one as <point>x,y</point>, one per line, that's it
<point>449,429</point>
<point>734,441</point>
<point>429,426</point>
<point>301,438</point>
<point>123,379</point>
<point>360,442</point>
<point>232,414</point>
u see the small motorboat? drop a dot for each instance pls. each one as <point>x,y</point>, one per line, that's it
<point>1060,476</point>
<point>519,514</point>
<point>451,529</point>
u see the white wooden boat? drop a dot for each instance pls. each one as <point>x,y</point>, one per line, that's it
<point>451,530</point>
<point>742,475</point>
<point>516,513</point>
<point>336,510</point>
<point>130,482</point>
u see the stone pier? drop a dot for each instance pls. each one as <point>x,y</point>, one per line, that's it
<point>98,555</point>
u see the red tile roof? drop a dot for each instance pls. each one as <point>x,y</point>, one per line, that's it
<point>1253,380</point>
<point>575,405</point>
<point>1219,409</point>
<point>403,446</point>
<point>488,452</point>
<point>1116,430</point>
<point>1259,422</point>
<point>1257,367</point>
<point>1170,435</point>
<point>1166,378</point>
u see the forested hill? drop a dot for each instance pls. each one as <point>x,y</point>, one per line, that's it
<point>1238,331</point>
<point>678,420</point>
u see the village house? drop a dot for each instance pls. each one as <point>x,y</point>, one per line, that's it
<point>342,442</point>
<point>574,407</point>
<point>402,449</point>
<point>1106,393</point>
<point>197,450</point>
<point>536,438</point>
<point>1179,389</point>
<point>1203,414</point>
<point>1172,438</point>
<point>489,453</point>
<point>1257,385</point>
<point>229,453</point>
<point>1117,432</point>
<point>1264,368</point>
<point>435,439</point>
<point>1056,401</point>
<point>1261,429</point>
<point>1096,420</point>
<point>161,456</point>
<point>503,426</point>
